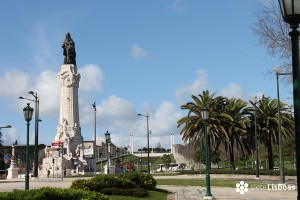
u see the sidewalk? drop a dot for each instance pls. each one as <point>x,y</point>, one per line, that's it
<point>255,192</point>
<point>258,191</point>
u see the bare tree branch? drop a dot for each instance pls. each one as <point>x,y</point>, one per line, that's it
<point>273,34</point>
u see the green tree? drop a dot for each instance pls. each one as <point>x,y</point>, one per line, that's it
<point>235,122</point>
<point>215,158</point>
<point>2,163</point>
<point>267,124</point>
<point>192,124</point>
<point>166,160</point>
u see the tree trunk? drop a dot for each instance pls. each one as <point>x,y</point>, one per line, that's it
<point>231,155</point>
<point>270,153</point>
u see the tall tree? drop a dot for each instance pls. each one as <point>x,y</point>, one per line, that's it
<point>192,124</point>
<point>235,122</point>
<point>267,124</point>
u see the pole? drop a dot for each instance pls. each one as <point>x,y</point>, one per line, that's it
<point>282,178</point>
<point>207,161</point>
<point>148,159</point>
<point>95,164</point>
<point>62,159</point>
<point>36,138</point>
<point>256,143</point>
<point>107,162</point>
<point>296,77</point>
<point>27,160</point>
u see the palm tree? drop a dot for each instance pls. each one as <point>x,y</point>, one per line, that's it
<point>192,124</point>
<point>235,122</point>
<point>267,124</point>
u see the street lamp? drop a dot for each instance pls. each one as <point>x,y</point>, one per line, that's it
<point>148,158</point>
<point>7,126</point>
<point>205,117</point>
<point>256,140</point>
<point>107,139</point>
<point>290,10</point>
<point>95,112</point>
<point>28,111</point>
<point>36,134</point>
<point>282,178</point>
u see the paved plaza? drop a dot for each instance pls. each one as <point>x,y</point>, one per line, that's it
<point>189,192</point>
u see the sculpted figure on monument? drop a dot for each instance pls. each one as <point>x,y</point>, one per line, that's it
<point>69,50</point>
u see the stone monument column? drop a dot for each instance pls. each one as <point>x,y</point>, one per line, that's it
<point>69,130</point>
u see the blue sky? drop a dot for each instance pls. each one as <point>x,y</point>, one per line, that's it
<point>134,56</point>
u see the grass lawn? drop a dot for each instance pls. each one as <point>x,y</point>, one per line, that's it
<point>195,182</point>
<point>153,195</point>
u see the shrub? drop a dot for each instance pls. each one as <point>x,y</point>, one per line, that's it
<point>142,180</point>
<point>52,194</point>
<point>99,182</point>
<point>135,192</point>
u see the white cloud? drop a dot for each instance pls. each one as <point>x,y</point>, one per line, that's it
<point>48,90</point>
<point>233,90</point>
<point>10,135</point>
<point>91,78</point>
<point>179,6</point>
<point>195,88</point>
<point>14,83</point>
<point>138,52</point>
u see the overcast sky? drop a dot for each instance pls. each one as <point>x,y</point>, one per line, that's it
<point>134,56</point>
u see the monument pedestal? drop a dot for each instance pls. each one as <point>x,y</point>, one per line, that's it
<point>12,173</point>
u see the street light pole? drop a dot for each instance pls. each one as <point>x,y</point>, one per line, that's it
<point>148,158</point>
<point>36,132</point>
<point>256,140</point>
<point>95,144</point>
<point>107,140</point>
<point>291,14</point>
<point>28,111</point>
<point>282,177</point>
<point>205,117</point>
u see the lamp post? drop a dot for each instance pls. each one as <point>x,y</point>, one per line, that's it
<point>107,139</point>
<point>95,112</point>
<point>256,140</point>
<point>36,132</point>
<point>148,158</point>
<point>28,111</point>
<point>291,14</point>
<point>282,178</point>
<point>205,117</point>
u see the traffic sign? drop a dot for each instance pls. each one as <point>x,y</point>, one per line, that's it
<point>5,158</point>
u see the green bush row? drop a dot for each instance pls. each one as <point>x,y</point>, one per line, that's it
<point>287,172</point>
<point>52,194</point>
<point>123,181</point>
<point>134,192</point>
<point>141,180</point>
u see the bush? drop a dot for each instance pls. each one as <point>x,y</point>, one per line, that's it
<point>99,182</point>
<point>135,192</point>
<point>124,181</point>
<point>52,194</point>
<point>142,180</point>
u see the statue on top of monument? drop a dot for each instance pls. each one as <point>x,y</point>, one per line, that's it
<point>69,50</point>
